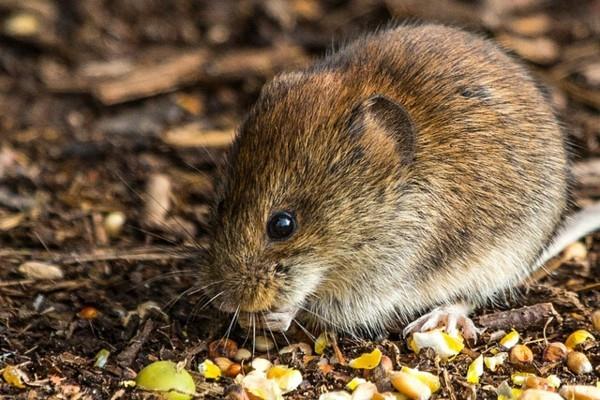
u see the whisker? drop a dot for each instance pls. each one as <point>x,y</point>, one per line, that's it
<point>253,335</point>
<point>189,292</point>
<point>310,335</point>
<point>271,333</point>
<point>327,322</point>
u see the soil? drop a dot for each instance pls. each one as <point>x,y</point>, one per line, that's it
<point>105,101</point>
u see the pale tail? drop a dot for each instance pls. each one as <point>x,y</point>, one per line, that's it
<point>574,228</point>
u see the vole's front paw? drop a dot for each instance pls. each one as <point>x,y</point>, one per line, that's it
<point>450,318</point>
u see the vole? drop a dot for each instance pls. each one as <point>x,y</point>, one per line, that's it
<point>417,168</point>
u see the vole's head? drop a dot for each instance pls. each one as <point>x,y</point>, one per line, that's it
<point>311,181</point>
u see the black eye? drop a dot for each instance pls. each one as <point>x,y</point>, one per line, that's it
<point>281,225</point>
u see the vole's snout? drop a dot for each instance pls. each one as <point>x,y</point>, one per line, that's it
<point>250,290</point>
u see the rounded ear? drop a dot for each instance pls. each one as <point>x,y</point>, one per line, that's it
<point>381,120</point>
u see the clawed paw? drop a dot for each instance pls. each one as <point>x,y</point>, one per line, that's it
<point>277,321</point>
<point>451,318</point>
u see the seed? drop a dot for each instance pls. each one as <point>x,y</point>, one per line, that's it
<point>113,223</point>
<point>171,379</point>
<point>233,370</point>
<point>242,355</point>
<point>261,364</point>
<point>575,251</point>
<point>579,363</point>
<point>366,360</point>
<point>14,376</point>
<point>88,313</point>
<point>386,363</point>
<point>555,351</point>
<point>101,358</point>
<point>223,363</point>
<point>263,343</point>
<point>41,271</point>
<point>580,392</point>
<point>521,354</point>
<point>427,378</point>
<point>596,320</point>
<point>287,379</point>
<point>510,339</point>
<point>354,382</point>
<point>410,386</point>
<point>321,343</point>
<point>577,338</point>
<point>537,394</point>
<point>535,382</point>
<point>475,370</point>
<point>493,362</point>
<point>222,348</point>
<point>364,391</point>
<point>302,347</point>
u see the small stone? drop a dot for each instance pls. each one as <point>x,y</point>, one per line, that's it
<point>41,271</point>
<point>242,355</point>
<point>555,351</point>
<point>263,343</point>
<point>579,363</point>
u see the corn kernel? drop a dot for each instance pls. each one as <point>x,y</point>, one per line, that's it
<point>410,386</point>
<point>475,370</point>
<point>209,370</point>
<point>321,343</point>
<point>366,360</point>
<point>354,382</point>
<point>431,380</point>
<point>287,379</point>
<point>442,343</point>
<point>493,362</point>
<point>510,339</point>
<point>578,337</point>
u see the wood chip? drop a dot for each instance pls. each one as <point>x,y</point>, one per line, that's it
<point>193,135</point>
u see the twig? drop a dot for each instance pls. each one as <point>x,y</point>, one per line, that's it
<point>520,318</point>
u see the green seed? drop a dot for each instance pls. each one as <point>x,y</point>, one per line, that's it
<point>173,381</point>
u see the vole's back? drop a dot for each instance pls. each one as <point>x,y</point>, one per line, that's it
<point>489,175</point>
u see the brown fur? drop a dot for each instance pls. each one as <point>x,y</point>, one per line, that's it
<point>385,229</point>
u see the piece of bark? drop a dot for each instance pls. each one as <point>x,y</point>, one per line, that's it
<point>192,135</point>
<point>519,318</point>
<point>150,80</point>
<point>127,356</point>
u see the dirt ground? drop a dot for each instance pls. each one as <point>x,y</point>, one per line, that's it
<point>108,104</point>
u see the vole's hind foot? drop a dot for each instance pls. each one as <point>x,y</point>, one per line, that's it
<point>451,318</point>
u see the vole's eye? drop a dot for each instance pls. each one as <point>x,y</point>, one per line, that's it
<point>281,225</point>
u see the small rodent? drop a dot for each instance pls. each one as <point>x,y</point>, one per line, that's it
<point>417,167</point>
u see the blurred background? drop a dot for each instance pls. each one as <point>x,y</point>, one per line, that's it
<point>106,104</point>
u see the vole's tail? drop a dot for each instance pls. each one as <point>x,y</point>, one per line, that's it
<point>575,227</point>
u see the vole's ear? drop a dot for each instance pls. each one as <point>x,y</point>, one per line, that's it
<point>383,123</point>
